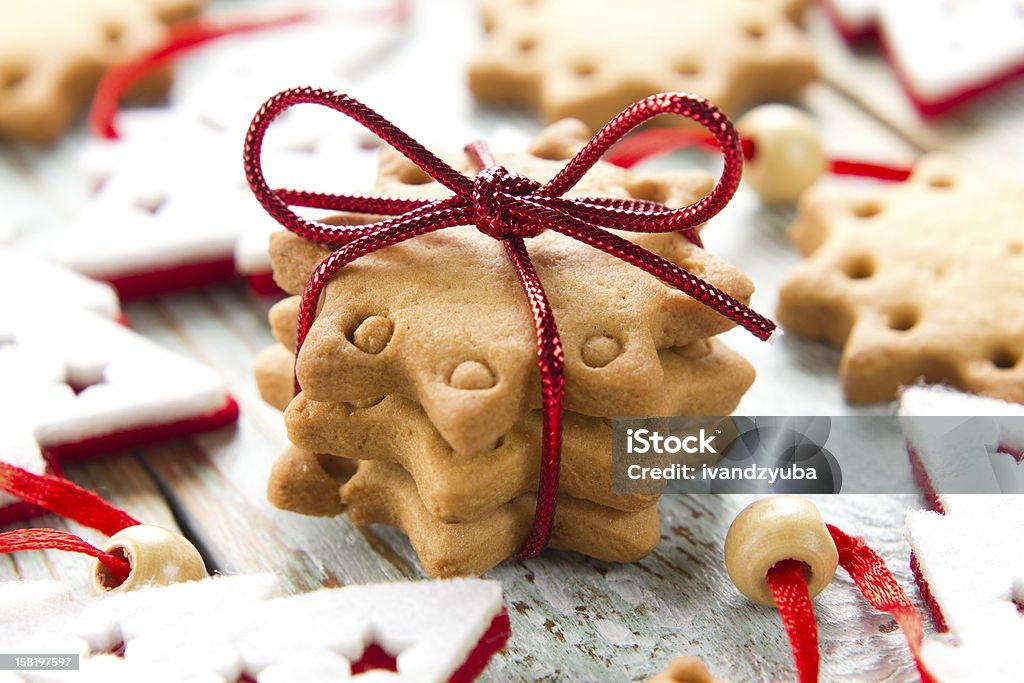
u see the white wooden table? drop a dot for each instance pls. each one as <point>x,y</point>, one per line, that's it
<point>572,618</point>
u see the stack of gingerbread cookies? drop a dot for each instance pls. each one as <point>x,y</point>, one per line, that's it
<point>420,389</point>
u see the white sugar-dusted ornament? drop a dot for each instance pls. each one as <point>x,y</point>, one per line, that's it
<point>961,455</point>
<point>969,558</point>
<point>75,382</point>
<point>943,52</point>
<point>172,208</point>
<point>54,285</point>
<point>229,628</point>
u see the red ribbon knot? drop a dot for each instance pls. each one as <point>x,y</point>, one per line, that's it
<point>495,190</point>
<point>510,208</point>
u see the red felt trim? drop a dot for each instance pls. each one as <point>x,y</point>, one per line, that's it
<point>922,480</point>
<point>925,106</point>
<point>493,640</point>
<point>375,657</point>
<point>175,278</point>
<point>263,283</point>
<point>849,33</point>
<point>926,594</point>
<point>146,435</point>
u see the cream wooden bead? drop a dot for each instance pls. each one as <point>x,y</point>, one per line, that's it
<point>788,156</point>
<point>157,556</point>
<point>774,529</point>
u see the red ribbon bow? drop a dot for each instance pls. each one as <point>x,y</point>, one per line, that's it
<point>510,208</point>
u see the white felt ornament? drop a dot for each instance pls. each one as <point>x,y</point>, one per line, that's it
<point>172,207</point>
<point>75,382</point>
<point>970,558</point>
<point>222,629</point>
<point>944,52</point>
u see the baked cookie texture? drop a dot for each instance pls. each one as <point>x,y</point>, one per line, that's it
<point>53,52</point>
<point>443,320</point>
<point>922,280</point>
<point>589,59</point>
<point>420,374</point>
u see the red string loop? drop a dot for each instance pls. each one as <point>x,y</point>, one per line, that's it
<point>789,588</point>
<point>656,142</point>
<point>63,498</point>
<point>52,539</point>
<point>876,583</point>
<point>510,208</point>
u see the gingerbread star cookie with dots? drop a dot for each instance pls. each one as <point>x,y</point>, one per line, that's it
<point>921,280</point>
<point>458,338</point>
<point>588,59</point>
<point>53,52</point>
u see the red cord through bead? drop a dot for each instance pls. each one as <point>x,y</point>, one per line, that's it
<point>789,588</point>
<point>876,583</point>
<point>52,539</point>
<point>510,208</point>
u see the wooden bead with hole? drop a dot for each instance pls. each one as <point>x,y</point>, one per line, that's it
<point>157,557</point>
<point>787,153</point>
<point>774,529</point>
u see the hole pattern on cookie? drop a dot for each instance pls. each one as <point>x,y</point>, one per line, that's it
<point>151,205</point>
<point>755,31</point>
<point>362,403</point>
<point>904,319</point>
<point>1015,248</point>
<point>411,174</point>
<point>859,267</point>
<point>941,182</point>
<point>373,334</point>
<point>600,350</point>
<point>688,67</point>
<point>471,375</point>
<point>867,209</point>
<point>113,33</point>
<point>11,76</point>
<point>693,350</point>
<point>526,44</point>
<point>584,68</point>
<point>1005,358</point>
<point>647,189</point>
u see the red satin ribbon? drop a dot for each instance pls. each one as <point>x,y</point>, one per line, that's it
<point>875,581</point>
<point>657,142</point>
<point>63,498</point>
<point>509,208</point>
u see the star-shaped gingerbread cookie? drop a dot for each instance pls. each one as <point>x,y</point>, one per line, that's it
<point>442,319</point>
<point>922,280</point>
<point>53,52</point>
<point>704,378</point>
<point>589,59</point>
